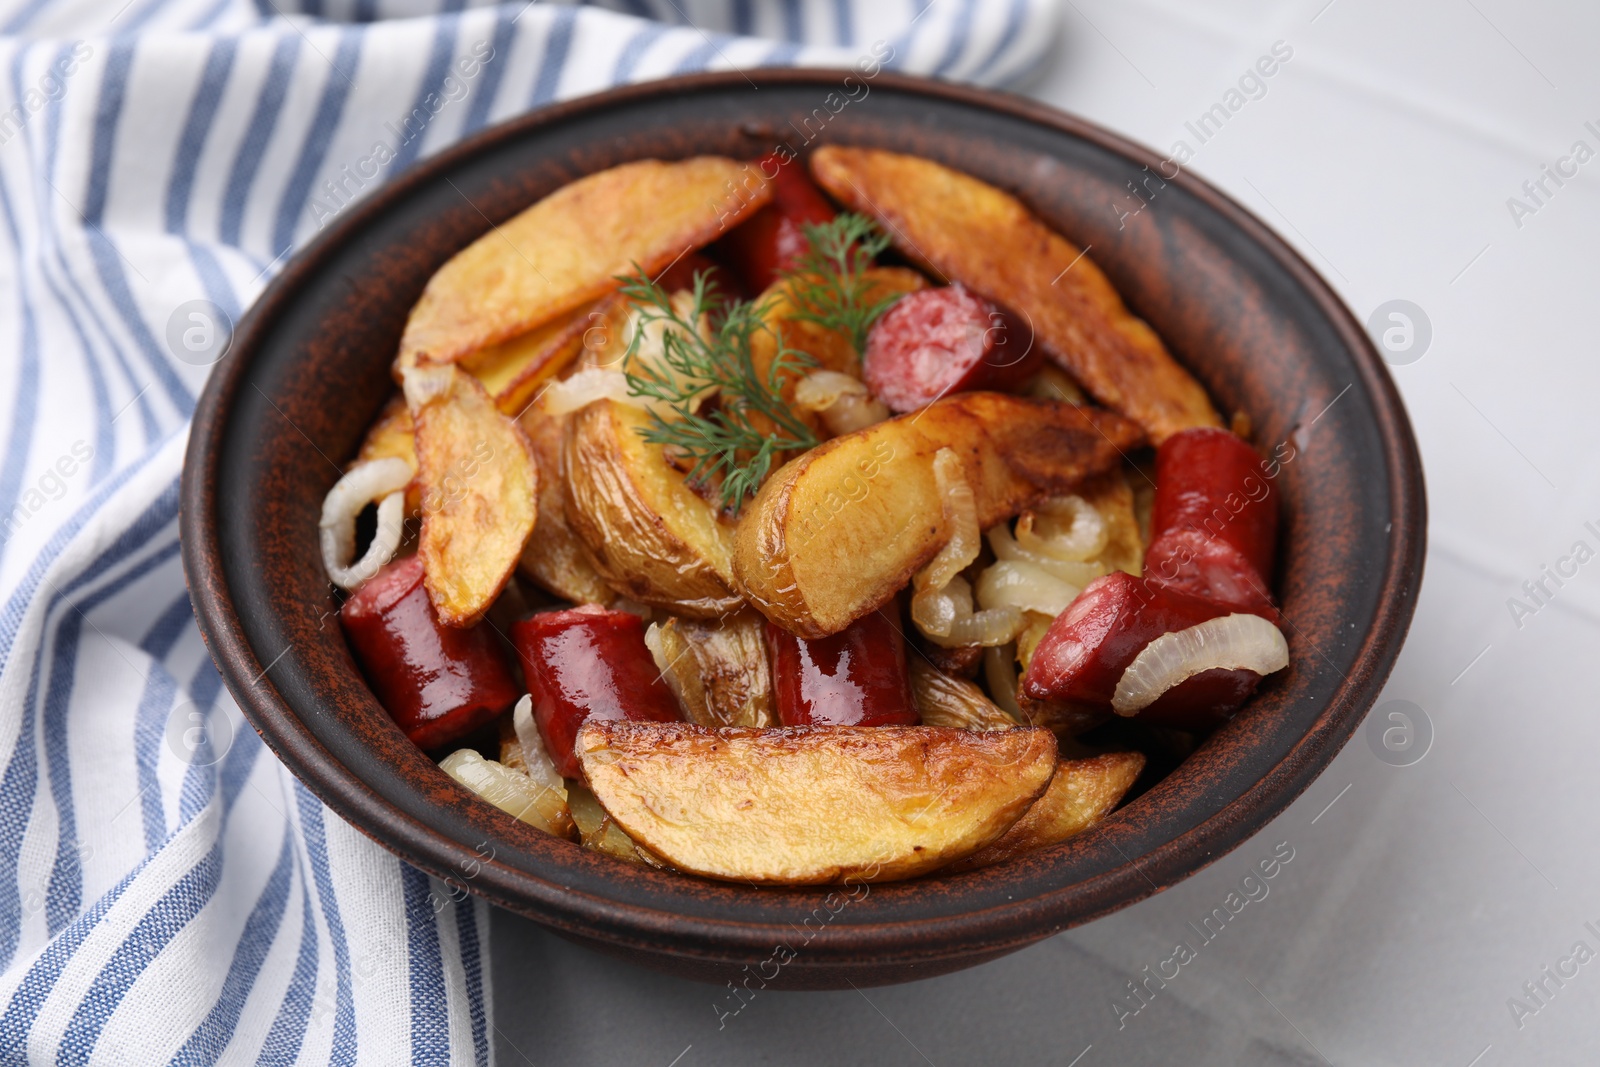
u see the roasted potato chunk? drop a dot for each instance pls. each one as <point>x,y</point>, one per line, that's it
<point>479,492</point>
<point>554,559</point>
<point>514,371</point>
<point>1081,793</point>
<point>839,530</point>
<point>718,669</point>
<point>650,536</point>
<point>568,249</point>
<point>813,805</point>
<point>971,232</point>
<point>944,700</point>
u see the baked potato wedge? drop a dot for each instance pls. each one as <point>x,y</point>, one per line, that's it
<point>718,669</point>
<point>514,371</point>
<point>554,559</point>
<point>649,535</point>
<point>568,249</point>
<point>1081,793</point>
<point>839,530</point>
<point>808,806</point>
<point>971,232</point>
<point>479,488</point>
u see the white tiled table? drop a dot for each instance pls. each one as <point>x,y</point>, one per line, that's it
<point>1423,899</point>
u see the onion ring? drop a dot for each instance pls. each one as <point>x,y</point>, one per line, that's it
<point>382,480</point>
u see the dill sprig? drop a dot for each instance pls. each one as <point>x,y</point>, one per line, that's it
<point>721,434</point>
<point>828,286</point>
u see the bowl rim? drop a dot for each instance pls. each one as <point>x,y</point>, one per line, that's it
<point>965,933</point>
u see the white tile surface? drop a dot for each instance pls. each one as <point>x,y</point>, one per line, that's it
<point>1426,895</point>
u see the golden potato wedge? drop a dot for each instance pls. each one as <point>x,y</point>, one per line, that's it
<point>973,233</point>
<point>1081,793</point>
<point>554,559</point>
<point>718,668</point>
<point>513,371</point>
<point>649,535</point>
<point>839,530</point>
<point>945,700</point>
<point>479,493</point>
<point>812,805</point>
<point>568,249</point>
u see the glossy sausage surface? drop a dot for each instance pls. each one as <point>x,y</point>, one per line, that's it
<point>588,662</point>
<point>773,239</point>
<point>1214,522</point>
<point>437,682</point>
<point>856,677</point>
<point>1083,654</point>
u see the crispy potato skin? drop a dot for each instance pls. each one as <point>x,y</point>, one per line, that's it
<point>1081,793</point>
<point>554,558</point>
<point>813,805</point>
<point>649,535</point>
<point>566,250</point>
<point>480,489</point>
<point>971,232</point>
<point>839,530</point>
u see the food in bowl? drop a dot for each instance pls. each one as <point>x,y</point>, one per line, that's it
<point>795,522</point>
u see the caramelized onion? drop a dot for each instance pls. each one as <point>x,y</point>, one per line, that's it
<point>1000,671</point>
<point>1063,527</point>
<point>540,767</point>
<point>1024,585</point>
<point>1074,572</point>
<point>842,401</point>
<point>1232,642</point>
<point>382,480</point>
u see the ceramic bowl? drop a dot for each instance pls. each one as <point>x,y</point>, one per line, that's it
<point>309,368</point>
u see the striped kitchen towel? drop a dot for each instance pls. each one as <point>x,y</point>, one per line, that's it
<point>168,892</point>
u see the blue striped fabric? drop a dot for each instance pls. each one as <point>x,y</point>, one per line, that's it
<point>168,892</point>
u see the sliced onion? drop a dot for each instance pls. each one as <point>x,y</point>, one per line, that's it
<point>1024,585</point>
<point>996,626</point>
<point>1073,572</point>
<point>842,401</point>
<point>511,791</point>
<point>820,389</point>
<point>541,768</point>
<point>584,388</point>
<point>961,511</point>
<point>1053,383</point>
<point>1063,527</point>
<point>383,480</point>
<point>1000,671</point>
<point>1233,642</point>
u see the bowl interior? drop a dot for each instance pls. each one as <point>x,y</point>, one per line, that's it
<point>310,368</point>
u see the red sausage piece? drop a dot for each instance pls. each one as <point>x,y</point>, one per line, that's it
<point>588,662</point>
<point>772,240</point>
<point>856,677</point>
<point>437,682</point>
<point>680,275</point>
<point>1202,702</point>
<point>1084,652</point>
<point>939,341</point>
<point>1215,520</point>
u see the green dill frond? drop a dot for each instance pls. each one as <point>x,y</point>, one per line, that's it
<point>827,285</point>
<point>712,388</point>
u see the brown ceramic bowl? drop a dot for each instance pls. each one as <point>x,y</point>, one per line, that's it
<point>309,368</point>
